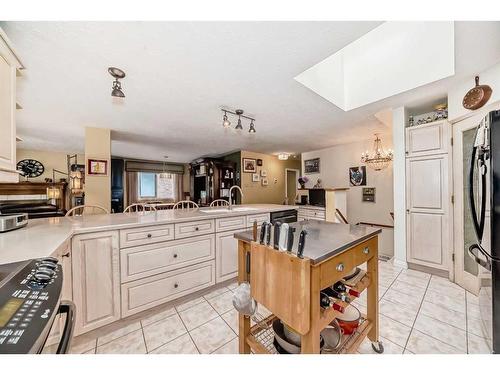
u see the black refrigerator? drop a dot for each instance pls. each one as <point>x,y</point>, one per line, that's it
<point>485,169</point>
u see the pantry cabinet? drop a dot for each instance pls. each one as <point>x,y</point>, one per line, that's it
<point>96,279</point>
<point>428,196</point>
<point>9,65</point>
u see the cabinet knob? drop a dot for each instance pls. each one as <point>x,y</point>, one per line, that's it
<point>196,228</point>
<point>366,250</point>
<point>340,267</point>
<point>176,285</point>
<point>175,255</point>
<point>150,235</point>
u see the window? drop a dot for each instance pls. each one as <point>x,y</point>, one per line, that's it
<point>157,185</point>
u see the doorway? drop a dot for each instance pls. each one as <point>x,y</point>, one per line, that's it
<point>291,181</point>
<point>467,272</point>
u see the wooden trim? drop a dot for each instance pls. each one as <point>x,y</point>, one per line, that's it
<point>339,213</point>
<point>375,224</point>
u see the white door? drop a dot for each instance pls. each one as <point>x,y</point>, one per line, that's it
<point>428,211</point>
<point>467,272</point>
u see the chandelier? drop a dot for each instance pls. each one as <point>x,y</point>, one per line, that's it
<point>379,159</point>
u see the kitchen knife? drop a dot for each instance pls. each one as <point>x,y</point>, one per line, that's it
<point>268,234</point>
<point>262,232</point>
<point>277,228</point>
<point>302,243</point>
<point>289,238</point>
<point>283,236</point>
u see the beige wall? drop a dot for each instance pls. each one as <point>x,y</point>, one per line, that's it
<point>98,146</point>
<point>254,192</point>
<point>50,160</point>
<point>334,172</point>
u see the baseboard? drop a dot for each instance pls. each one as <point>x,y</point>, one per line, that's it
<point>426,269</point>
<point>399,263</point>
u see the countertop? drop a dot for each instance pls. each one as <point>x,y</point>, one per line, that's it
<point>324,239</point>
<point>43,237</point>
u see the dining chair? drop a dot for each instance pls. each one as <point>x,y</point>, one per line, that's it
<point>86,209</point>
<point>139,207</point>
<point>185,205</point>
<point>219,203</point>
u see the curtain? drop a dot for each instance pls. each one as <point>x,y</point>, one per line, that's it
<point>132,193</point>
<point>179,183</point>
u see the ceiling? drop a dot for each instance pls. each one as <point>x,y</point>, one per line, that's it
<point>179,75</point>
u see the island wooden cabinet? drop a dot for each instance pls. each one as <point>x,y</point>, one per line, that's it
<point>226,255</point>
<point>96,279</point>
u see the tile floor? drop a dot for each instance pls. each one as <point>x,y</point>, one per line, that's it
<point>419,313</point>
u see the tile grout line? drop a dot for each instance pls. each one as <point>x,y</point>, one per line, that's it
<point>418,312</point>
<point>144,337</point>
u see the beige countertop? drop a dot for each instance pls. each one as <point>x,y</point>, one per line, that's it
<point>43,237</point>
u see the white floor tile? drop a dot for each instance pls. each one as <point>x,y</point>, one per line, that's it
<point>165,330</point>
<point>222,303</point>
<point>420,343</point>
<point>132,343</point>
<point>394,331</point>
<point>212,335</point>
<point>197,315</point>
<point>478,345</point>
<point>216,292</point>
<point>118,333</point>
<point>410,302</point>
<point>457,304</point>
<point>180,345</point>
<point>158,316</point>
<point>443,314</point>
<point>441,331</point>
<point>81,345</point>
<point>189,304</point>
<point>398,312</point>
<point>232,347</point>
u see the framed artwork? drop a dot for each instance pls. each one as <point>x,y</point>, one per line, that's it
<point>265,182</point>
<point>255,177</point>
<point>357,176</point>
<point>259,162</point>
<point>263,173</point>
<point>368,195</point>
<point>97,167</point>
<point>249,165</point>
<point>311,166</point>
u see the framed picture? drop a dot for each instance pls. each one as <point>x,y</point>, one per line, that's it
<point>249,165</point>
<point>311,166</point>
<point>263,173</point>
<point>265,182</point>
<point>368,195</point>
<point>97,167</point>
<point>357,176</point>
<point>259,162</point>
<point>255,177</point>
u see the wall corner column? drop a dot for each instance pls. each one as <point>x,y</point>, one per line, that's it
<point>98,187</point>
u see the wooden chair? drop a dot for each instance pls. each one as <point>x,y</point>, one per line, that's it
<point>86,209</point>
<point>139,207</point>
<point>185,205</point>
<point>219,203</point>
<point>164,206</point>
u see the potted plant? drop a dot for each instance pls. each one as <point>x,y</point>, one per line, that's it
<point>303,181</point>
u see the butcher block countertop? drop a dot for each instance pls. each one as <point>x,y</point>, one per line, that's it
<point>324,239</point>
<point>44,237</point>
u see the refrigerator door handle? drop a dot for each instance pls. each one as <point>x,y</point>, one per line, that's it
<point>478,223</point>
<point>474,251</point>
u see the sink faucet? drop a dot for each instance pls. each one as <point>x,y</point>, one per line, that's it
<point>231,196</point>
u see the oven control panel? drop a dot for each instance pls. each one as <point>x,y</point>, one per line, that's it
<point>28,303</point>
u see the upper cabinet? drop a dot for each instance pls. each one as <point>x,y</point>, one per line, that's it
<point>9,67</point>
<point>428,139</point>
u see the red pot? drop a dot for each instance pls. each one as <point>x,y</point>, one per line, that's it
<point>349,320</point>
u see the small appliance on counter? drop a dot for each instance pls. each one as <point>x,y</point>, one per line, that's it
<point>12,221</point>
<point>30,294</point>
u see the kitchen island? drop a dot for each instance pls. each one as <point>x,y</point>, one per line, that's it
<point>117,265</point>
<point>289,286</point>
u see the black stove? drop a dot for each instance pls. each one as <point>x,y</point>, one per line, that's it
<point>30,295</point>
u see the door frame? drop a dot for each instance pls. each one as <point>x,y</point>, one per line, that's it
<point>297,175</point>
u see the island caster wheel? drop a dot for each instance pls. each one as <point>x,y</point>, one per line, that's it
<point>378,347</point>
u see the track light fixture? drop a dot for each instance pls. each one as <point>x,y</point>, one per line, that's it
<point>239,126</point>
<point>117,86</point>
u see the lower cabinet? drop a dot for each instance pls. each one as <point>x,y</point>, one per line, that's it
<point>226,255</point>
<point>151,291</point>
<point>96,279</point>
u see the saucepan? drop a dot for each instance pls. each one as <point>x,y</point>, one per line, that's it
<point>349,319</point>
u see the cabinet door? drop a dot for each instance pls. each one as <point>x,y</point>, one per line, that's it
<point>428,139</point>
<point>96,279</point>
<point>7,122</point>
<point>428,215</point>
<point>226,255</point>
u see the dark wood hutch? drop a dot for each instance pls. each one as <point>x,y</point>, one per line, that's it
<point>211,179</point>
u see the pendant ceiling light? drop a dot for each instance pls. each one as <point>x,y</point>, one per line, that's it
<point>380,158</point>
<point>117,86</point>
<point>226,124</point>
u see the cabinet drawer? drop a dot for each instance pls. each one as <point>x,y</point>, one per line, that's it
<point>194,228</point>
<point>260,218</point>
<point>146,235</point>
<point>143,294</point>
<point>148,260</point>
<point>228,223</point>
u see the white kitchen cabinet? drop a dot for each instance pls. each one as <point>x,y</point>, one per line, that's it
<point>428,139</point>
<point>96,279</point>
<point>226,255</point>
<point>228,223</point>
<point>428,210</point>
<point>259,218</point>
<point>146,235</point>
<point>194,228</point>
<point>8,67</point>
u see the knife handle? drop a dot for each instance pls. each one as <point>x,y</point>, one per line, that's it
<point>302,243</point>
<point>289,239</point>
<point>277,229</point>
<point>262,232</point>
<point>268,234</point>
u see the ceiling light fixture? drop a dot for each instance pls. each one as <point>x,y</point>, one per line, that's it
<point>283,156</point>
<point>117,86</point>
<point>380,158</point>
<point>226,124</point>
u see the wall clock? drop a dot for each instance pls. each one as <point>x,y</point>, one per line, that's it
<point>30,168</point>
